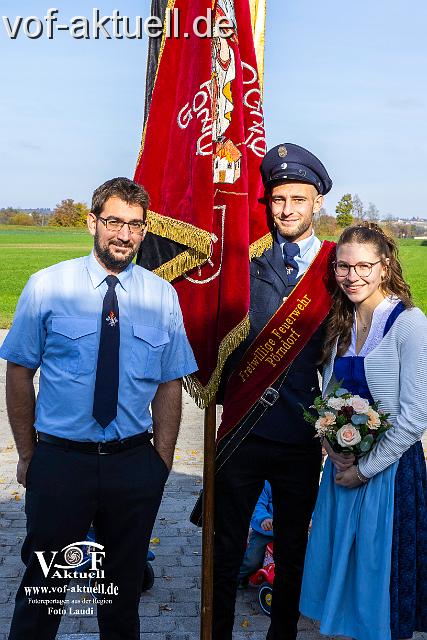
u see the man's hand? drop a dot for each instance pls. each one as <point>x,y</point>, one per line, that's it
<point>166,410</point>
<point>21,471</point>
<point>341,461</point>
<point>21,401</point>
<point>267,524</point>
<point>348,478</point>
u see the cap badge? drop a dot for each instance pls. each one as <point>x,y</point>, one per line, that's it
<point>282,151</point>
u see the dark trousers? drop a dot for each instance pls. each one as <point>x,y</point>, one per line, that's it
<point>67,491</point>
<point>293,472</point>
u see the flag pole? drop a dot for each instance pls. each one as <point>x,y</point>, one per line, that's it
<point>208,522</point>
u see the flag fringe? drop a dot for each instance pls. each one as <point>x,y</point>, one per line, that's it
<point>203,396</point>
<point>197,240</point>
<point>258,247</point>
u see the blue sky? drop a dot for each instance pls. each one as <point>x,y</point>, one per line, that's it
<point>345,79</point>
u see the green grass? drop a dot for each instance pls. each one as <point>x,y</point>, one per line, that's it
<point>413,257</point>
<point>24,250</point>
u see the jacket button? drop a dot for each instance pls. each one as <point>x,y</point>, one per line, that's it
<point>285,298</point>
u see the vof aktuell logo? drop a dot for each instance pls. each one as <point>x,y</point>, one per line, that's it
<point>79,560</point>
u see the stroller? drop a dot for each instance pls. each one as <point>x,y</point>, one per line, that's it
<point>263,578</point>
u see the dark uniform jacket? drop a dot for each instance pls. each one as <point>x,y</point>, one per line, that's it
<point>283,421</point>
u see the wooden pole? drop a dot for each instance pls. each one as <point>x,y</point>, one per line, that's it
<point>208,521</point>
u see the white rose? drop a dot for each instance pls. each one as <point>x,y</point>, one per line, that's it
<point>360,405</point>
<point>348,436</point>
<point>336,403</point>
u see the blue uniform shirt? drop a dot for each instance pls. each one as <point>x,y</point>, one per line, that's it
<point>57,327</point>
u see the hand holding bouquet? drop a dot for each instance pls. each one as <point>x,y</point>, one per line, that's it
<point>347,421</point>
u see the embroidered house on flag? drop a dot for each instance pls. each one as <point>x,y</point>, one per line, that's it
<point>227,163</point>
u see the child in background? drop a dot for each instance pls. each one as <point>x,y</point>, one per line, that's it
<point>261,534</point>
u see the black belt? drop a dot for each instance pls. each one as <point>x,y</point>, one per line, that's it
<point>113,446</point>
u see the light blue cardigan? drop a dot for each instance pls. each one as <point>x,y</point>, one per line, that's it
<point>396,373</point>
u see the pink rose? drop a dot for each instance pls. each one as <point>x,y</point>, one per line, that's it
<point>348,436</point>
<point>360,405</point>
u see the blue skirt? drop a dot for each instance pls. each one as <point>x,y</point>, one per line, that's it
<point>408,580</point>
<point>365,568</point>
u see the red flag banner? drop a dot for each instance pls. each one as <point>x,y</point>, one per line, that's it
<point>202,146</point>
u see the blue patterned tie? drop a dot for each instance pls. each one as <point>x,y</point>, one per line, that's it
<point>290,251</point>
<point>107,370</point>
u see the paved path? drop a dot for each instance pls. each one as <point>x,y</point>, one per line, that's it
<point>170,610</point>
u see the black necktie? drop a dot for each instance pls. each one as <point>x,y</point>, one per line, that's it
<point>107,369</point>
<point>290,250</point>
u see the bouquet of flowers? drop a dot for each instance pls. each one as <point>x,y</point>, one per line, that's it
<point>347,421</point>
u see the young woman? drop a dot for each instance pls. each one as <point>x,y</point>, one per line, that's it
<point>365,573</point>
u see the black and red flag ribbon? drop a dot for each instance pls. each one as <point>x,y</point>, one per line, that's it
<point>202,146</point>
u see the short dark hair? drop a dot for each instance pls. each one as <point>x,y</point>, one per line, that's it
<point>123,188</point>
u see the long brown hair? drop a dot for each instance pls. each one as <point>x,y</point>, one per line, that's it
<point>340,319</point>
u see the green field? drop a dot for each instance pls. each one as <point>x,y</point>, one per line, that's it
<point>24,250</point>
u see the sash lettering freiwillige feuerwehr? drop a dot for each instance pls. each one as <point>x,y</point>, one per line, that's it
<point>281,340</point>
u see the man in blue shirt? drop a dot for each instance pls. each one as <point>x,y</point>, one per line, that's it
<point>109,340</point>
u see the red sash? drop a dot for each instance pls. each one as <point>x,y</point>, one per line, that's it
<point>281,340</point>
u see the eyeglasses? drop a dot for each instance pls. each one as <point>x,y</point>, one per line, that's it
<point>112,224</point>
<point>362,269</point>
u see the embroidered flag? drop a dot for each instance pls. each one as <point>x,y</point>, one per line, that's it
<point>202,146</point>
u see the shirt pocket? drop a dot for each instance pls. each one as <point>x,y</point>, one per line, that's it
<point>148,344</point>
<point>74,344</point>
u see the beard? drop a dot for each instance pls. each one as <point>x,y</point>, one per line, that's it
<point>108,259</point>
<point>293,232</point>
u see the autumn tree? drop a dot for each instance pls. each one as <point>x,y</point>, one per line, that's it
<point>324,224</point>
<point>344,211</point>
<point>69,214</point>
<point>7,213</point>
<point>23,219</point>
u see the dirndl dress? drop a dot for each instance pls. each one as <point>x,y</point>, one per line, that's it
<point>365,573</point>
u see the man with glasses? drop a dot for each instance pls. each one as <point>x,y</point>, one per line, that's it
<point>109,340</point>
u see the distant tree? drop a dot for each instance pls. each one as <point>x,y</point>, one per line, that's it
<point>390,226</point>
<point>81,214</point>
<point>358,211</point>
<point>23,219</point>
<point>7,213</point>
<point>69,214</point>
<point>372,213</point>
<point>37,217</point>
<point>344,211</point>
<point>324,224</point>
